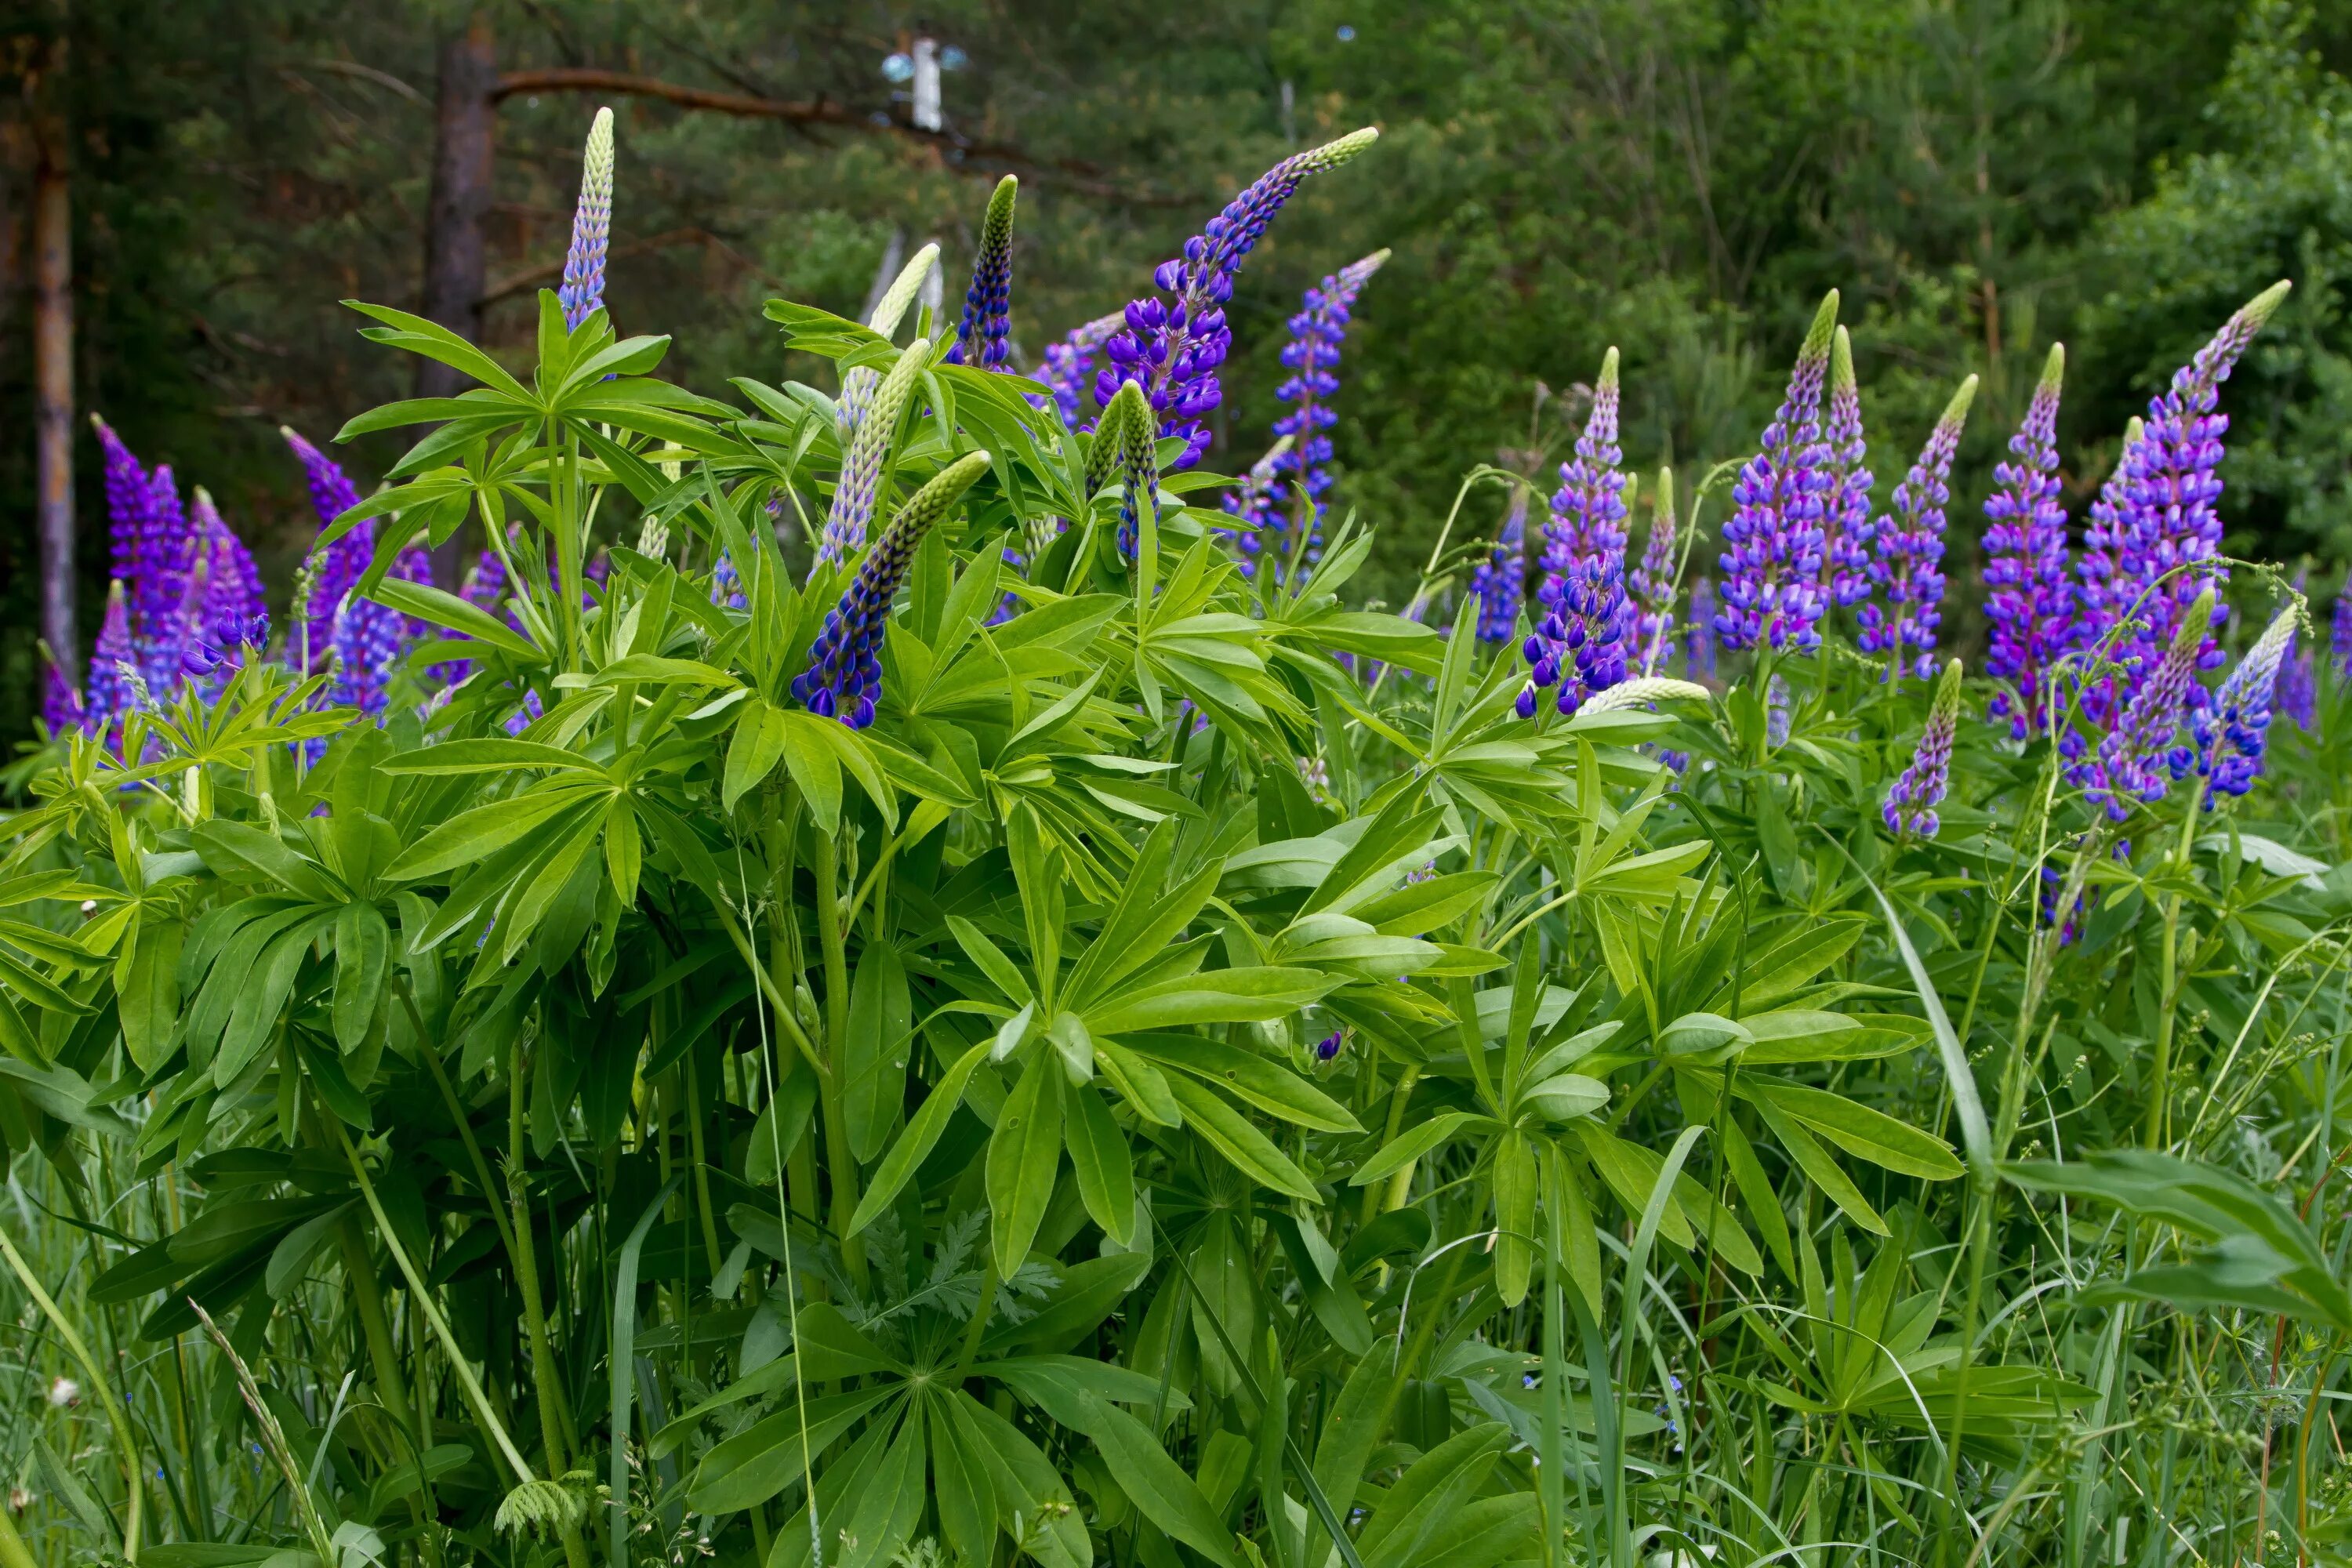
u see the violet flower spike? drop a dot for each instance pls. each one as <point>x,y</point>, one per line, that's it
<point>232,596</point>
<point>985,335</point>
<point>1910,806</point>
<point>1907,553</point>
<point>2135,759</point>
<point>1302,476</point>
<point>861,467</point>
<point>126,488</point>
<point>1698,641</point>
<point>1585,622</point>
<point>2231,732</point>
<point>1653,582</point>
<point>1846,529</point>
<point>2029,600</point>
<point>1771,562</point>
<point>2298,681</point>
<point>159,592</point>
<point>582,293</point>
<point>107,695</point>
<point>346,560</point>
<point>1174,346</point>
<point>2167,486</point>
<point>1587,511</point>
<point>60,702</point>
<point>2339,632</point>
<point>843,678</point>
<point>1500,583</point>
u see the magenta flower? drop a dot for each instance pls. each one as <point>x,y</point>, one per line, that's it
<point>2029,600</point>
<point>1911,800</point>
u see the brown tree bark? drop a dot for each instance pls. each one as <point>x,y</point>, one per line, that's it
<point>53,386</point>
<point>465,132</point>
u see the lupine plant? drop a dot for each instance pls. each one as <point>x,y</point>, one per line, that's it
<point>783,1060</point>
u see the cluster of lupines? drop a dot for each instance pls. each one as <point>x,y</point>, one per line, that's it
<point>1918,789</point>
<point>2029,601</point>
<point>184,594</point>
<point>2232,729</point>
<point>843,678</point>
<point>1302,474</point>
<point>1653,580</point>
<point>1499,582</point>
<point>582,293</point>
<point>1908,551</point>
<point>1172,347</point>
<point>1773,593</point>
<point>985,335</point>
<point>358,639</point>
<point>1845,510</point>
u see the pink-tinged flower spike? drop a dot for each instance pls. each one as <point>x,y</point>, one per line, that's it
<point>582,292</point>
<point>1174,346</point>
<point>1906,563</point>
<point>1846,515</point>
<point>843,678</point>
<point>985,335</point>
<point>1771,562</point>
<point>1917,790</point>
<point>2136,761</point>
<point>2029,600</point>
<point>1587,511</point>
<point>2231,732</point>
<point>2167,485</point>
<point>1069,368</point>
<point>1303,475</point>
<point>109,694</point>
<point>1653,581</point>
<point>861,468</point>
<point>1500,583</point>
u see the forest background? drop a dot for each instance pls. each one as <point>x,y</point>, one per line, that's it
<point>1680,178</point>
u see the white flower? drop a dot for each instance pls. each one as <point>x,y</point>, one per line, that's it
<point>63,1392</point>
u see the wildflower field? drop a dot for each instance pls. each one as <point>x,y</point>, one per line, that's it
<point>903,975</point>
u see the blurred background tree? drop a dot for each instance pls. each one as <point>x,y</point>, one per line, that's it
<point>1679,177</point>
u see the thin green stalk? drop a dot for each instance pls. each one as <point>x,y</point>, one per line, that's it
<point>842,1163</point>
<point>553,1429</point>
<point>126,1446</point>
<point>2169,993</point>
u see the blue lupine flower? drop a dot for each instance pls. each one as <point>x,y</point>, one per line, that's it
<point>2137,759</point>
<point>1302,475</point>
<point>843,678</point>
<point>1908,551</point>
<point>346,560</point>
<point>985,335</point>
<point>2029,601</point>
<point>232,596</point>
<point>1777,717</point>
<point>1845,514</point>
<point>1586,623</point>
<point>582,292</point>
<point>1587,511</point>
<point>1698,642</point>
<point>1175,347</point>
<point>1911,800</point>
<point>1499,582</point>
<point>1068,367</point>
<point>1653,582</point>
<point>2231,732</point>
<point>2339,632</point>
<point>1771,562</point>
<point>1581,642</point>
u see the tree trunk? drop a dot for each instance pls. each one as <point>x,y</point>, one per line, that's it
<point>464,127</point>
<point>53,410</point>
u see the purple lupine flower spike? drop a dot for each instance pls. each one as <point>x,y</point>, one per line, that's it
<point>2100,566</point>
<point>1302,475</point>
<point>108,695</point>
<point>159,589</point>
<point>1911,800</point>
<point>233,601</point>
<point>126,486</point>
<point>2339,631</point>
<point>346,560</point>
<point>985,335</point>
<point>2167,486</point>
<point>1653,581</point>
<point>2135,760</point>
<point>861,467</point>
<point>1582,570</point>
<point>1175,347</point>
<point>2029,600</point>
<point>1771,562</point>
<point>1907,553</point>
<point>1251,501</point>
<point>843,678</point>
<point>2231,732</point>
<point>1846,517</point>
<point>1698,642</point>
<point>2298,681</point>
<point>1778,719</point>
<point>1499,582</point>
<point>1068,367</point>
<point>60,702</point>
<point>582,292</point>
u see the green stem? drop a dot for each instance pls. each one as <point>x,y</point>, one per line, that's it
<point>133,1476</point>
<point>841,1163</point>
<point>553,1430</point>
<point>2169,999</point>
